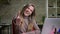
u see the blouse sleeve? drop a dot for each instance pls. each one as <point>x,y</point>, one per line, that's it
<point>15,26</point>
<point>37,30</point>
<point>35,25</point>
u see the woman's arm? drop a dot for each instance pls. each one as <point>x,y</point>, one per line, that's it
<point>36,31</point>
<point>35,25</point>
<point>14,26</point>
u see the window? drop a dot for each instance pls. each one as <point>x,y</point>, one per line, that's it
<point>53,8</point>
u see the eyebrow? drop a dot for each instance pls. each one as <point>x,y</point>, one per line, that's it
<point>30,9</point>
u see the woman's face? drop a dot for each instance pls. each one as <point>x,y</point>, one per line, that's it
<point>28,11</point>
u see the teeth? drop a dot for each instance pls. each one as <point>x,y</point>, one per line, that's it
<point>27,12</point>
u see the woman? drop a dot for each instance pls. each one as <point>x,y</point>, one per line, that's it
<point>24,23</point>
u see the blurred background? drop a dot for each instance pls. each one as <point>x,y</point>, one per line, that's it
<point>9,8</point>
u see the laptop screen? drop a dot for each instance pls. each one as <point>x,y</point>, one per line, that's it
<point>50,24</point>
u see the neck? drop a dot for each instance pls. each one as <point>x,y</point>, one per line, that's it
<point>25,16</point>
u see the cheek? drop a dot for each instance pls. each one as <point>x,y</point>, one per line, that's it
<point>30,12</point>
<point>24,11</point>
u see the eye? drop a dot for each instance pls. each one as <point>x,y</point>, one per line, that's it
<point>30,9</point>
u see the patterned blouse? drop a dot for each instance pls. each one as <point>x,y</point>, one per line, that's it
<point>18,30</point>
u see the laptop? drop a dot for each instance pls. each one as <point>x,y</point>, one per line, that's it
<point>50,24</point>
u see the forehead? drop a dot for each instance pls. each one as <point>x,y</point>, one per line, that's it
<point>31,7</point>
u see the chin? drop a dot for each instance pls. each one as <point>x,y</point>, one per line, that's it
<point>26,15</point>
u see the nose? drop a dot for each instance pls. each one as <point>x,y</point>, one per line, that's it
<point>28,10</point>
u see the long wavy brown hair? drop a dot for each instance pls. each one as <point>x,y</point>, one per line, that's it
<point>25,7</point>
<point>31,17</point>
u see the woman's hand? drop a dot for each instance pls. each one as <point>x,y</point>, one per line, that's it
<point>23,33</point>
<point>18,20</point>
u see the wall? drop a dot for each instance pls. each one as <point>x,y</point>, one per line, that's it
<point>8,11</point>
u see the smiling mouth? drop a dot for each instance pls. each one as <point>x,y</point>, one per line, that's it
<point>27,12</point>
